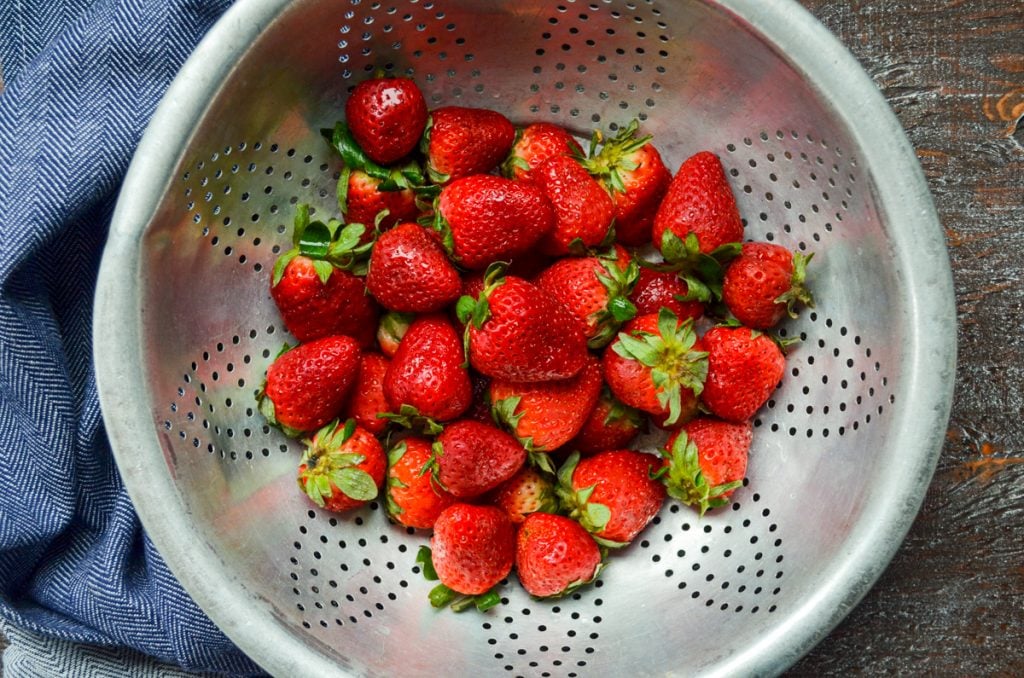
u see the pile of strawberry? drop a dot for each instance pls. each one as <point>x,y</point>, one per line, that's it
<point>499,315</point>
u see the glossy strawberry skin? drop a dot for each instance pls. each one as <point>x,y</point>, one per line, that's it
<point>387,117</point>
<point>309,385</point>
<point>474,458</point>
<point>365,200</point>
<point>426,371</point>
<point>753,282</point>
<point>583,209</point>
<point>645,187</point>
<point>312,309</point>
<point>414,498</point>
<point>473,547</point>
<point>611,425</point>
<point>464,141</point>
<point>699,200</point>
<point>410,272</point>
<point>622,481</point>
<point>534,145</point>
<point>492,218</point>
<point>655,289</point>
<point>367,398</point>
<point>553,553</point>
<point>527,492</point>
<point>722,448</point>
<point>374,464</point>
<point>744,367</point>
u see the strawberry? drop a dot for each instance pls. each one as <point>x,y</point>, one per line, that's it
<point>471,458</point>
<point>480,407</point>
<point>409,271</point>
<point>555,556</point>
<point>707,461</point>
<point>583,209</point>
<point>460,141</point>
<point>342,467</point>
<point>655,289</point>
<point>472,549</point>
<point>516,332</point>
<point>545,415</point>
<point>367,399</point>
<point>611,425</point>
<point>658,365</point>
<point>632,171</point>
<point>484,218</point>
<point>426,377</point>
<point>414,498</point>
<point>387,117</point>
<point>765,282</point>
<point>534,144</point>
<point>528,491</point>
<point>613,494</point>
<point>744,367</point>
<point>699,201</point>
<point>363,197</point>
<point>392,328</point>
<point>307,386</point>
<point>596,290</point>
<point>315,285</point>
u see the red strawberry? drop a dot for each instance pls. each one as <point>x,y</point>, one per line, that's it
<point>611,425</point>
<point>409,271</point>
<point>364,199</point>
<point>583,209</point>
<point>343,467</point>
<point>555,555</point>
<point>307,386</point>
<point>655,289</point>
<point>534,144</point>
<point>387,117</point>
<point>528,491</point>
<point>462,141</point>
<point>472,549</point>
<point>547,414</point>
<point>471,458</point>
<point>744,367</point>
<point>707,461</point>
<point>367,399</point>
<point>699,201</point>
<point>314,285</point>
<point>765,282</point>
<point>480,408</point>
<point>484,218</point>
<point>414,498</point>
<point>392,328</point>
<point>658,365</point>
<point>427,372</point>
<point>631,170</point>
<point>516,332</point>
<point>595,289</point>
<point>612,494</point>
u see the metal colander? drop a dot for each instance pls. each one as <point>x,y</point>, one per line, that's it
<point>843,452</point>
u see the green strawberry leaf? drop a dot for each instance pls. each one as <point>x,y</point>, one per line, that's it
<point>442,596</point>
<point>342,190</point>
<point>486,601</point>
<point>315,240</point>
<point>281,264</point>
<point>426,562</point>
<point>622,309</point>
<point>355,483</point>
<point>397,452</point>
<point>353,156</point>
<point>596,516</point>
<point>464,308</point>
<point>641,350</point>
<point>504,412</point>
<point>542,462</point>
<point>323,270</point>
<point>300,222</point>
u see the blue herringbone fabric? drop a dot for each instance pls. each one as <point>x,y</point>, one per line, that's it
<point>82,79</point>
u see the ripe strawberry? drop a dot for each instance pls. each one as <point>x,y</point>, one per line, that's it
<point>459,142</point>
<point>632,171</point>
<point>392,328</point>
<point>471,458</point>
<point>484,218</point>
<point>765,282</point>
<point>307,386</point>
<point>314,284</point>
<point>516,332</point>
<point>534,144</point>
<point>528,491</point>
<point>427,372</point>
<point>707,461</point>
<point>744,367</point>
<point>472,548</point>
<point>596,290</point>
<point>367,399</point>
<point>365,198</point>
<point>583,209</point>
<point>699,201</point>
<point>409,271</point>
<point>611,425</point>
<point>555,555</point>
<point>613,494</point>
<point>342,467</point>
<point>547,414</point>
<point>414,498</point>
<point>658,365</point>
<point>387,117</point>
<point>655,289</point>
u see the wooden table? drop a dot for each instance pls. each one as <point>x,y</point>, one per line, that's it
<point>952,601</point>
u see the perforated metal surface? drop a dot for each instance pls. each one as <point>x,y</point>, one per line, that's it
<point>346,588</point>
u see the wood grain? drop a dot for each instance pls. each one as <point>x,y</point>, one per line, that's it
<point>952,601</point>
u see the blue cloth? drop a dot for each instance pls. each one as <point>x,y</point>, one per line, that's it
<point>82,79</point>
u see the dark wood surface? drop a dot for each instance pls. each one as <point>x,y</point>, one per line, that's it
<point>952,601</point>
